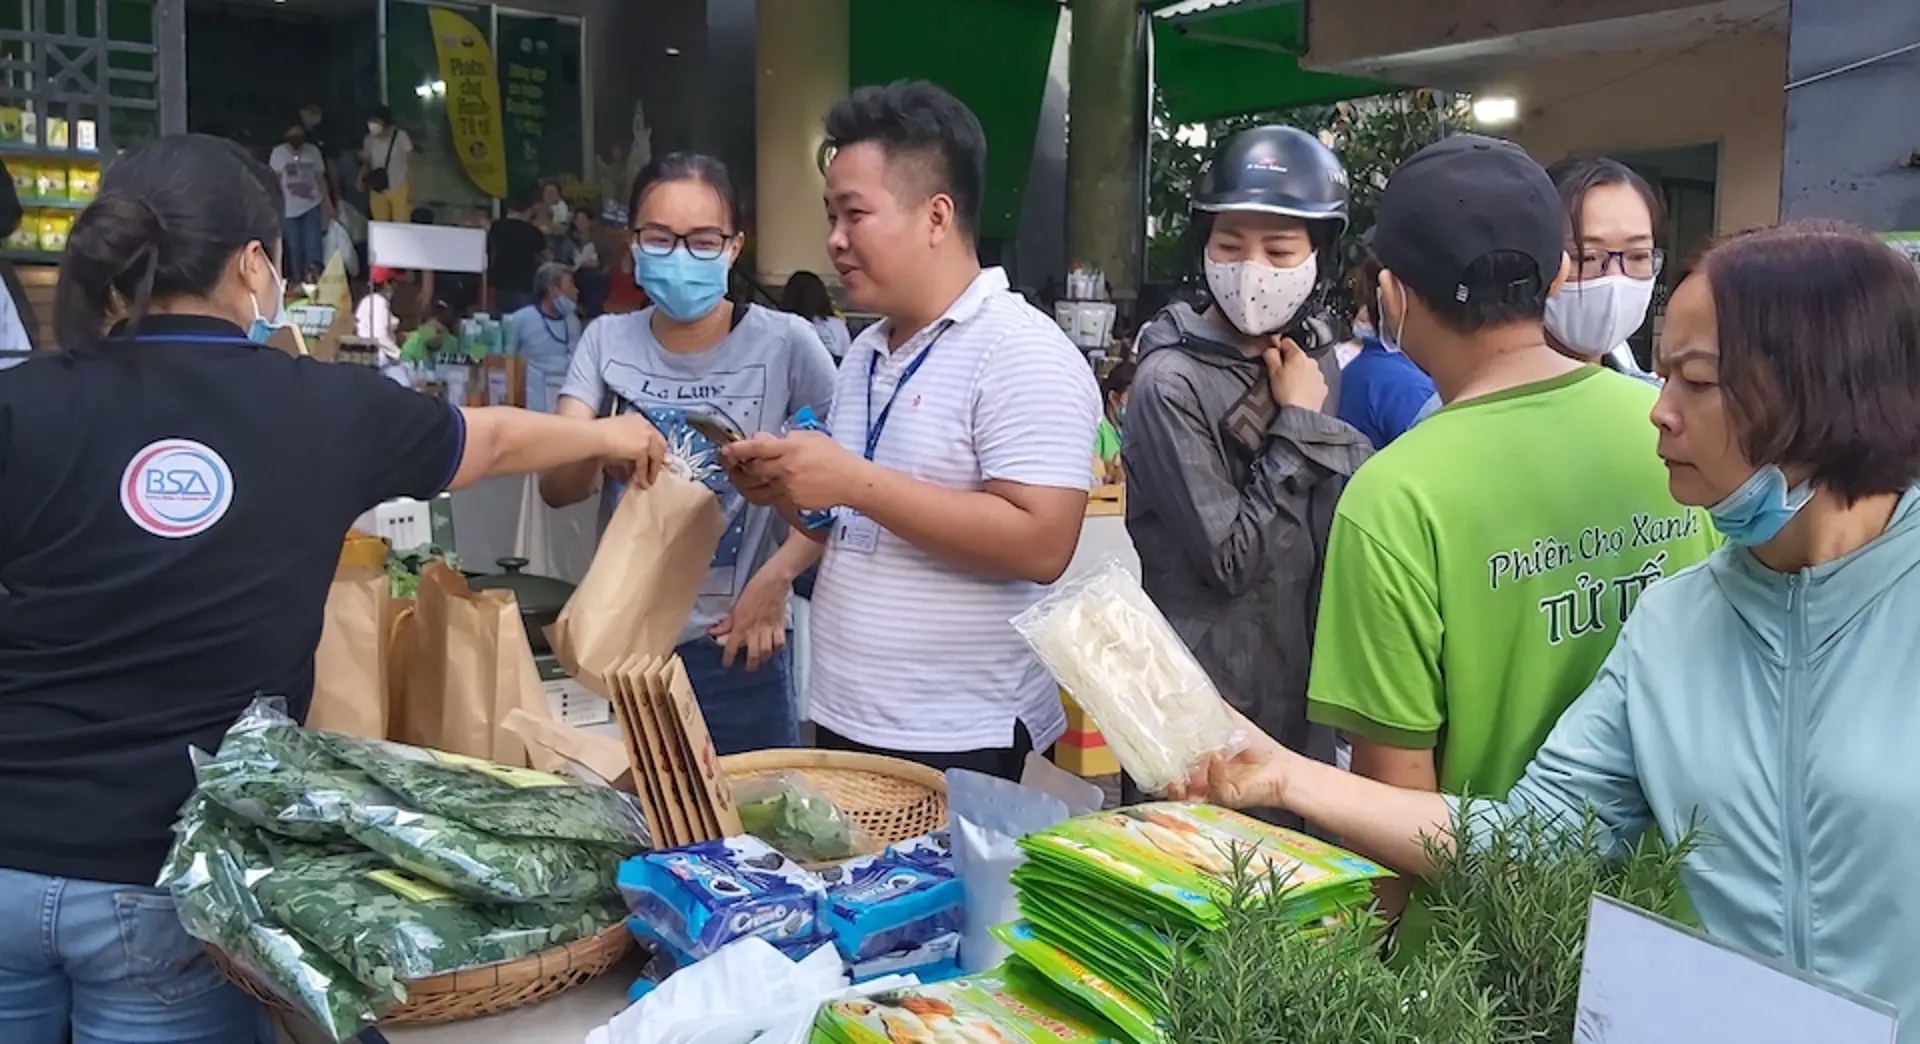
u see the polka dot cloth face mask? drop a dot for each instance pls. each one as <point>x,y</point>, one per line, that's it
<point>1257,298</point>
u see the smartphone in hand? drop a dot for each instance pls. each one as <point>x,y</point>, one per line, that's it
<point>717,431</point>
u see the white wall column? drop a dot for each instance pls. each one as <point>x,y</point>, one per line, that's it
<point>801,60</point>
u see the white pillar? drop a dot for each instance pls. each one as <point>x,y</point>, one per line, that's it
<point>801,58</point>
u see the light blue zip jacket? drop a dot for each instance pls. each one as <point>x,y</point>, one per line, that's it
<point>1785,708</point>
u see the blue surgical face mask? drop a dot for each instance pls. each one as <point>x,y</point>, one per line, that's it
<point>1757,511</point>
<point>1390,338</point>
<point>263,328</point>
<point>683,286</point>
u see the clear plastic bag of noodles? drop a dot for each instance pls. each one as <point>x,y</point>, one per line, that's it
<point>211,870</point>
<point>1111,648</point>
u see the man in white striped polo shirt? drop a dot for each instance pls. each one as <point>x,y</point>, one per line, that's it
<point>959,462</point>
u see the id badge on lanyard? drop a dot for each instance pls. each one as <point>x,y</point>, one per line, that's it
<point>857,532</point>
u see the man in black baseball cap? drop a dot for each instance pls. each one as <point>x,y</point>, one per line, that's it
<point>1480,566</point>
<point>1471,234</point>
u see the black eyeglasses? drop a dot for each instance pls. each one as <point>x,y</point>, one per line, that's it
<point>1638,263</point>
<point>703,243</point>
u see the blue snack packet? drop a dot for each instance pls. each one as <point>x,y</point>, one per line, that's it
<point>700,898</point>
<point>880,904</point>
<point>933,850</point>
<point>935,961</point>
<point>807,420</point>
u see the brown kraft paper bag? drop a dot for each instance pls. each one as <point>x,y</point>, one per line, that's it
<point>640,589</point>
<point>350,664</point>
<point>469,665</point>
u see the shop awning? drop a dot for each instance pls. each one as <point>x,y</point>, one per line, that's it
<point>992,54</point>
<point>1218,58</point>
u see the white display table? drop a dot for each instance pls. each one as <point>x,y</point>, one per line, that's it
<point>566,1019</point>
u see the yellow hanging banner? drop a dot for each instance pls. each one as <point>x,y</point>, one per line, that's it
<point>473,99</point>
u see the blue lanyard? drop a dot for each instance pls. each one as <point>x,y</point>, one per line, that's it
<point>876,425</point>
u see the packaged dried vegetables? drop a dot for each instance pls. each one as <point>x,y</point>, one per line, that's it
<point>211,871</point>
<point>282,778</point>
<point>511,802</point>
<point>1110,647</point>
<point>480,865</point>
<point>798,819</point>
<point>390,928</point>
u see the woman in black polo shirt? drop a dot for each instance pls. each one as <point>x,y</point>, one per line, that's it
<point>172,500</point>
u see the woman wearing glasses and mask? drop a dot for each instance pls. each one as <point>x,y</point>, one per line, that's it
<point>696,354</point>
<point>1611,217</point>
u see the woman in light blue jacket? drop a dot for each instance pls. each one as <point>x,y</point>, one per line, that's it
<point>1772,688</point>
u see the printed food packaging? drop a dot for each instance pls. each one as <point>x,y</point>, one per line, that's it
<point>986,1009</point>
<point>1107,899</point>
<point>701,897</point>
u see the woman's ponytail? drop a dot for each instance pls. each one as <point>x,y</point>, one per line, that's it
<point>112,259</point>
<point>171,217</point>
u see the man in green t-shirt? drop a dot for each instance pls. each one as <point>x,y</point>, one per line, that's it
<point>1481,566</point>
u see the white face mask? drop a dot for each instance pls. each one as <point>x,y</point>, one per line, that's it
<point>1596,315</point>
<point>376,129</point>
<point>1259,299</point>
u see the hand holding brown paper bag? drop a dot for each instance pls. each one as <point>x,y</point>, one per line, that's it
<point>640,589</point>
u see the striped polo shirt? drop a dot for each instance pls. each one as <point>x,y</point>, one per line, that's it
<point>910,653</point>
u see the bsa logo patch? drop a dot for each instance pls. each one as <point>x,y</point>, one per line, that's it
<point>176,488</point>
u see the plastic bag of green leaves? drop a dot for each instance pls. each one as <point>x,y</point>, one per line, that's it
<point>511,802</point>
<point>274,774</point>
<point>389,928</point>
<point>211,871</point>
<point>483,866</point>
<point>795,817</point>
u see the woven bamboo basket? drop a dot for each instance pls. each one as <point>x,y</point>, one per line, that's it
<point>894,800</point>
<point>477,992</point>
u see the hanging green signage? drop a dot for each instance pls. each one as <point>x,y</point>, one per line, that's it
<point>539,68</point>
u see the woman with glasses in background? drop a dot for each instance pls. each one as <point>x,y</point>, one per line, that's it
<point>1612,214</point>
<point>695,354</point>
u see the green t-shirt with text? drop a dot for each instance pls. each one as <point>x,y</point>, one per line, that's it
<point>1481,566</point>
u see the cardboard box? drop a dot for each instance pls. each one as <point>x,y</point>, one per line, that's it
<point>1083,751</point>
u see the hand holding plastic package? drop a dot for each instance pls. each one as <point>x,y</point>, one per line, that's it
<point>1108,645</point>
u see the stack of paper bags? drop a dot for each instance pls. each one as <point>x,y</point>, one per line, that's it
<point>676,770</point>
<point>616,637</point>
<point>1106,898</point>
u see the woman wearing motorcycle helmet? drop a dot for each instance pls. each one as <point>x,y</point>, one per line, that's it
<point>1232,463</point>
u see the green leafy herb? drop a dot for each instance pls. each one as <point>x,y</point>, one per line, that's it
<point>1262,980</point>
<point>1516,904</point>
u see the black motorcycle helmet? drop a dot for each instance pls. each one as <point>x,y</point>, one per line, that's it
<point>1278,170</point>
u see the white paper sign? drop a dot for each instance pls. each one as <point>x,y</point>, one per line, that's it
<point>432,248</point>
<point>1647,980</point>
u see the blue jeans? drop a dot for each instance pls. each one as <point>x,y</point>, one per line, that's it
<point>305,245</point>
<point>745,710</point>
<point>109,964</point>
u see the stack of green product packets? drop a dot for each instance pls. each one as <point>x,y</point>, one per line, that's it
<point>1107,899</point>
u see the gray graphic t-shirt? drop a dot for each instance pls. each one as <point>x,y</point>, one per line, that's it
<point>755,379</point>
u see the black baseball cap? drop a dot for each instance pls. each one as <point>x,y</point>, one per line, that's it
<point>1458,200</point>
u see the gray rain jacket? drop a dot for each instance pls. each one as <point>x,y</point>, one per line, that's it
<point>1232,539</point>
